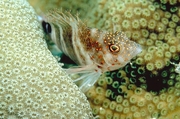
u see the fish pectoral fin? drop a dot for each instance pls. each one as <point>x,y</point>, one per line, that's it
<point>87,76</point>
<point>87,80</point>
<point>81,69</point>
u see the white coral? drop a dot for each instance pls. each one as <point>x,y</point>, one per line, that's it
<point>32,85</point>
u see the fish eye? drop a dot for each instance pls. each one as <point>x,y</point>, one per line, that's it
<point>46,27</point>
<point>114,48</point>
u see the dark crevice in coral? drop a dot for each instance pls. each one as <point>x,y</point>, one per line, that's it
<point>167,6</point>
<point>141,77</point>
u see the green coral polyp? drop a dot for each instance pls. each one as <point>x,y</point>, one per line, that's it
<point>176,57</point>
<point>133,73</point>
<point>156,16</point>
<point>120,74</point>
<point>173,40</point>
<point>172,49</point>
<point>115,84</point>
<point>119,108</point>
<point>164,112</point>
<point>165,46</point>
<point>106,103</point>
<point>153,36</point>
<point>95,110</point>
<point>107,24</point>
<point>178,29</point>
<point>137,11</point>
<point>158,43</point>
<point>133,99</point>
<point>170,30</point>
<point>146,12</point>
<point>156,99</point>
<point>112,11</point>
<point>151,24</point>
<point>139,61</point>
<point>141,70</point>
<point>171,106</point>
<point>109,80</point>
<point>150,66</point>
<point>172,24</point>
<point>165,21</point>
<point>175,18</point>
<point>125,103</point>
<point>126,24</point>
<point>116,18</point>
<point>173,9</point>
<point>108,93</point>
<point>97,100</point>
<point>132,80</point>
<point>163,1</point>
<point>101,82</point>
<point>143,22</point>
<point>164,74</point>
<point>136,35</point>
<point>126,110</point>
<point>128,13</point>
<point>170,82</point>
<point>159,64</point>
<point>151,49</point>
<point>167,15</point>
<point>170,98</point>
<point>138,91</point>
<point>159,53</point>
<point>149,42</point>
<point>177,85</point>
<point>160,27</point>
<point>119,99</point>
<point>148,57</point>
<point>112,105</point>
<point>99,90</point>
<point>135,24</point>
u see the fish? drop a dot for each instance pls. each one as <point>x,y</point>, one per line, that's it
<point>95,51</point>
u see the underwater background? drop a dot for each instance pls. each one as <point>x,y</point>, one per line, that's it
<point>149,86</point>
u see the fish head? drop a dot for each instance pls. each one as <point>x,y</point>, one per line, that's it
<point>118,50</point>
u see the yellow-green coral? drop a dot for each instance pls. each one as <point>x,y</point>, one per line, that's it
<point>140,104</point>
<point>32,84</point>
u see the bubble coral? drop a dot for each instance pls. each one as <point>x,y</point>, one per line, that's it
<point>32,84</point>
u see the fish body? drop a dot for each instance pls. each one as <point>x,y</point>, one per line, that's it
<point>93,50</point>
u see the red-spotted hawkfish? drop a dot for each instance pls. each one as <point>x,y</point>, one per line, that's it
<point>93,50</point>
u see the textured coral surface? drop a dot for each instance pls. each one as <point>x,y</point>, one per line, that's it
<point>32,84</point>
<point>148,87</point>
